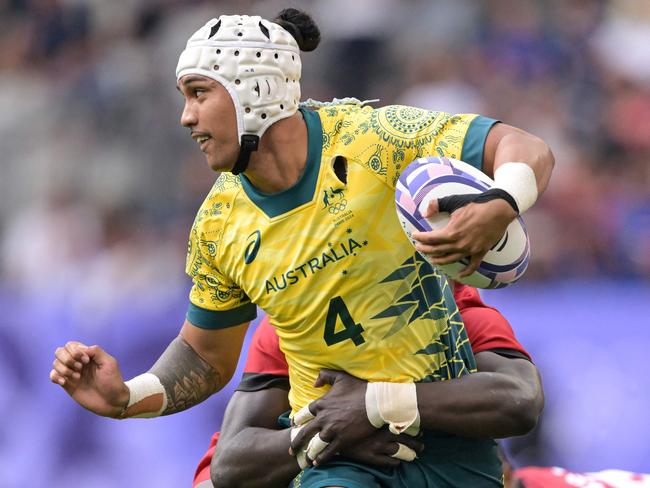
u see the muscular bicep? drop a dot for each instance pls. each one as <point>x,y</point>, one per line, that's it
<point>522,370</point>
<point>505,143</point>
<point>253,409</point>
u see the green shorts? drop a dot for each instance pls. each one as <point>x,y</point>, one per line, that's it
<point>447,461</point>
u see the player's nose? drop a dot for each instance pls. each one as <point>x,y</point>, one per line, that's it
<point>188,116</point>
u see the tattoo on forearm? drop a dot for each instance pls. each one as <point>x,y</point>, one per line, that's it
<point>187,378</point>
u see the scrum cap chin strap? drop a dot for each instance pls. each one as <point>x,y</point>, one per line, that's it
<point>248,144</point>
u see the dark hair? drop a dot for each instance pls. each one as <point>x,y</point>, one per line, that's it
<point>301,26</point>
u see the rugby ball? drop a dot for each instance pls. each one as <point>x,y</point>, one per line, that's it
<point>433,177</point>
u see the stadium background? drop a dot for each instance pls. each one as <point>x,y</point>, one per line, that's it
<point>99,185</point>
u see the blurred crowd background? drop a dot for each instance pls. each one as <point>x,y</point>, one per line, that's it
<point>99,185</point>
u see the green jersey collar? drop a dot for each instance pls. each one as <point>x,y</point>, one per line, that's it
<point>302,192</point>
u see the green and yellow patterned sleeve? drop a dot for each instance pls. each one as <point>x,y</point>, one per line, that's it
<point>386,140</point>
<point>216,302</point>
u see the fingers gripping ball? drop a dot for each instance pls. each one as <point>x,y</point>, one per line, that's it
<point>453,183</point>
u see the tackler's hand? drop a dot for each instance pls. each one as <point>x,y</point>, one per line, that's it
<point>335,421</point>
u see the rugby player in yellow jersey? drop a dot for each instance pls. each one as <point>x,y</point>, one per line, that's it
<point>302,223</point>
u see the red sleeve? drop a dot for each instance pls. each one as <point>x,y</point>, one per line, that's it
<point>486,328</point>
<point>202,472</point>
<point>264,355</point>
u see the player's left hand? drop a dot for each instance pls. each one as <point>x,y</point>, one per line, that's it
<point>339,417</point>
<point>472,230</point>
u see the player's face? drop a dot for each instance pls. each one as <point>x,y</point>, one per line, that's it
<point>209,113</point>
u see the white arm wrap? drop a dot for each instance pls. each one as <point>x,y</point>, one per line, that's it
<point>518,179</point>
<point>145,399</point>
<point>395,404</point>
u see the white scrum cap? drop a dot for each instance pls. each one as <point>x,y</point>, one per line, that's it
<point>256,60</point>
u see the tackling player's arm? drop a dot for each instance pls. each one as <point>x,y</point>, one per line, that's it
<point>195,365</point>
<point>504,398</point>
<point>507,402</point>
<point>521,165</point>
<point>251,448</point>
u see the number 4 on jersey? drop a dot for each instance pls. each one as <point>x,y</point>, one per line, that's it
<point>351,330</point>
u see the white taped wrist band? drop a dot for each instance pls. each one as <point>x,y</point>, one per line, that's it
<point>518,179</point>
<point>395,404</point>
<point>147,396</point>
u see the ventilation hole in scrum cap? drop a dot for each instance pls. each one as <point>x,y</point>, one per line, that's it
<point>265,31</point>
<point>247,110</point>
<point>218,51</point>
<point>237,82</point>
<point>263,116</point>
<point>239,34</point>
<point>275,55</point>
<point>258,54</point>
<point>214,29</point>
<point>236,53</point>
<point>281,107</point>
<point>216,67</point>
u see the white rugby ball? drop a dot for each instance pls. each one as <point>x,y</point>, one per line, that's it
<point>433,177</point>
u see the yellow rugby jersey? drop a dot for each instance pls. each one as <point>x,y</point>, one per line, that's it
<point>327,259</point>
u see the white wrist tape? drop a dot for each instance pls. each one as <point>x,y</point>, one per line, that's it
<point>147,396</point>
<point>518,179</point>
<point>301,456</point>
<point>395,404</point>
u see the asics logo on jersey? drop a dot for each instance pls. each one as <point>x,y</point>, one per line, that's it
<point>253,246</point>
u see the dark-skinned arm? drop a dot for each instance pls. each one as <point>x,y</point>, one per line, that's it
<point>252,452</point>
<point>503,399</point>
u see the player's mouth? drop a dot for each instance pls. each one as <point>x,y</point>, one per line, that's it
<point>202,138</point>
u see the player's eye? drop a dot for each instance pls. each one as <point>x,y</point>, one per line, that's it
<point>198,92</point>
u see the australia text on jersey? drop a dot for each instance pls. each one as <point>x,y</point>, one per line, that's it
<point>335,252</point>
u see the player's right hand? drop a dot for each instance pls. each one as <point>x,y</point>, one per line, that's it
<point>380,448</point>
<point>91,377</point>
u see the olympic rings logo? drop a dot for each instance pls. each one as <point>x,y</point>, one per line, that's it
<point>335,208</point>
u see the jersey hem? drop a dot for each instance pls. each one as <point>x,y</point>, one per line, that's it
<point>262,381</point>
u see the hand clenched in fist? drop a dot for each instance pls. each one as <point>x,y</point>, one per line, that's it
<point>91,377</point>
